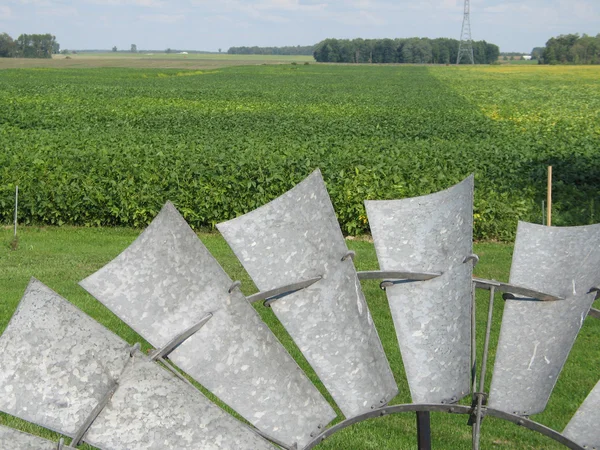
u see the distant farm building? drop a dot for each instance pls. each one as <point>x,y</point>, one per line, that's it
<point>527,57</point>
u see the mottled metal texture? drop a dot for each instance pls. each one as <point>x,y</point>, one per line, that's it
<point>297,237</point>
<point>165,283</point>
<point>153,409</point>
<point>584,427</point>
<point>536,337</point>
<point>17,440</point>
<point>433,233</point>
<point>56,363</point>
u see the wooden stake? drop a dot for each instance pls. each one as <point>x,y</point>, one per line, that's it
<point>549,203</point>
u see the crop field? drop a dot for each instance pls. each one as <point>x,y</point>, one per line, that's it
<point>108,146</point>
<point>148,60</point>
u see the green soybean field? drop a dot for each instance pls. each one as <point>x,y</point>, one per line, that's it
<point>108,146</point>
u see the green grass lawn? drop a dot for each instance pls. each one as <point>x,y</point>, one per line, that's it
<point>60,257</point>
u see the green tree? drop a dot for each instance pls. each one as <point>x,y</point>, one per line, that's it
<point>537,52</point>
<point>7,46</point>
<point>133,48</point>
<point>114,49</point>
<point>36,46</point>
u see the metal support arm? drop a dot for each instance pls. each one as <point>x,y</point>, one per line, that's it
<point>180,339</point>
<point>280,292</point>
<point>397,275</point>
<point>511,290</point>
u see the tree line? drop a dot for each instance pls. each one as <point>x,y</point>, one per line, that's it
<point>410,50</point>
<point>28,46</point>
<point>572,49</point>
<point>290,50</point>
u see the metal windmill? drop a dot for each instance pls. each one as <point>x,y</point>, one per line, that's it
<point>62,370</point>
<point>466,43</point>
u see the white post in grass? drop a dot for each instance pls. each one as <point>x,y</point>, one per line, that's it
<point>16,208</point>
<point>549,205</point>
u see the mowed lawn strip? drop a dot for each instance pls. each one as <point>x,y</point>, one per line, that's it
<point>60,257</point>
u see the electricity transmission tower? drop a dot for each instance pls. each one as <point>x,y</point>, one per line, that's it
<point>466,43</point>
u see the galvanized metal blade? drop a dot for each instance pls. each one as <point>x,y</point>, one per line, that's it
<point>56,363</point>
<point>152,408</point>
<point>536,337</point>
<point>584,426</point>
<point>17,440</point>
<point>165,283</point>
<point>433,233</point>
<point>297,237</point>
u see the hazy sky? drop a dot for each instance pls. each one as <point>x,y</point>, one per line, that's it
<point>210,25</point>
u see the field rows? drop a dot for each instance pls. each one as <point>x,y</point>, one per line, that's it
<point>109,146</point>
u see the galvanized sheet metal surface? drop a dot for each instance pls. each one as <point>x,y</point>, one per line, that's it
<point>536,337</point>
<point>56,363</point>
<point>153,409</point>
<point>17,440</point>
<point>433,233</point>
<point>584,427</point>
<point>297,237</point>
<point>165,283</point>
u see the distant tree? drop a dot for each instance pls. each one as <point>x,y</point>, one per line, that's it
<point>133,48</point>
<point>36,46</point>
<point>64,52</point>
<point>411,50</point>
<point>114,49</point>
<point>537,52</point>
<point>168,50</point>
<point>572,49</point>
<point>219,50</point>
<point>7,46</point>
<point>298,50</point>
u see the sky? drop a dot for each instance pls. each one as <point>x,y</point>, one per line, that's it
<point>211,25</point>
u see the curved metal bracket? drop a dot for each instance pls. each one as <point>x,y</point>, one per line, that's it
<point>283,291</point>
<point>179,339</point>
<point>235,284</point>
<point>351,254</point>
<point>510,290</point>
<point>134,349</point>
<point>596,290</point>
<point>473,258</point>
<point>454,409</point>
